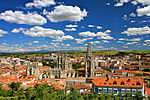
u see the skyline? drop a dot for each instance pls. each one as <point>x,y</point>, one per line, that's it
<point>55,25</point>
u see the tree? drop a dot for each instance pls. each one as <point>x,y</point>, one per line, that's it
<point>76,66</point>
<point>14,86</point>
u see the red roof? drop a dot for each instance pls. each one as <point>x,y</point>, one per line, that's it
<point>130,66</point>
<point>118,82</point>
<point>80,69</point>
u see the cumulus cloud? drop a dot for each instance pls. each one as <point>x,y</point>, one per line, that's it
<point>147,40</point>
<point>106,37</point>
<point>80,41</point>
<point>66,13</point>
<point>95,42</point>
<point>99,27</point>
<point>35,41</point>
<point>100,35</point>
<point>87,33</point>
<point>40,3</point>
<point>133,15</point>
<point>43,32</point>
<point>20,18</point>
<point>137,31</point>
<point>121,2</point>
<point>144,2</point>
<point>144,11</point>
<point>62,38</point>
<point>90,25</point>
<point>134,39</point>
<point>71,26</point>
<point>105,41</point>
<point>70,29</point>
<point>17,30</point>
<point>131,43</point>
<point>2,32</point>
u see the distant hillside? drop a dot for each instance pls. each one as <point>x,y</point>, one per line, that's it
<point>77,53</point>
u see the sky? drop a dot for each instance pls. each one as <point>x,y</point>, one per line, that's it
<point>64,25</point>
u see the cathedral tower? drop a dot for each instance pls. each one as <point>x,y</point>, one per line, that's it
<point>89,67</point>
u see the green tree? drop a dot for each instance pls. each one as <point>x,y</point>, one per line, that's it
<point>14,86</point>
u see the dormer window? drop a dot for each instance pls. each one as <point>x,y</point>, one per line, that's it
<point>114,83</point>
<point>122,83</point>
<point>138,83</point>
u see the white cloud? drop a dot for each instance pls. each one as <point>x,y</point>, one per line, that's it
<point>99,27</point>
<point>133,15</point>
<point>71,26</point>
<point>43,32</point>
<point>105,41</point>
<point>90,25</point>
<point>17,30</point>
<point>144,11</point>
<point>35,41</point>
<point>87,33</point>
<point>121,2</point>
<point>20,18</point>
<point>67,37</point>
<point>40,3</point>
<point>137,31</point>
<point>106,37</point>
<point>108,31</point>
<point>70,29</point>
<point>2,32</point>
<point>102,34</point>
<point>134,2</point>
<point>147,40</point>
<point>130,43</point>
<point>80,41</point>
<point>66,13</point>
<point>122,39</point>
<point>144,2</point>
<point>95,42</point>
<point>134,39</point>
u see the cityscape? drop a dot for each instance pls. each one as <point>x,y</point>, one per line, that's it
<point>75,50</point>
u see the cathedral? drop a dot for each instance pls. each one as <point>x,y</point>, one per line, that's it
<point>64,67</point>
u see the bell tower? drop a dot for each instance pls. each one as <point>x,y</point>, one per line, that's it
<point>89,67</point>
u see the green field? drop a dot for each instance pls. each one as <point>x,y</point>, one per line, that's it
<point>78,53</point>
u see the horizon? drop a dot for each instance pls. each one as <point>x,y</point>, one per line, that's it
<point>69,25</point>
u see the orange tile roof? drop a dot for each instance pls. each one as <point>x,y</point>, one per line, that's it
<point>110,81</point>
<point>130,66</point>
<point>86,92</point>
<point>80,69</point>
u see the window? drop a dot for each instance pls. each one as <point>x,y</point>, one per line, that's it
<point>138,83</point>
<point>115,90</point>
<point>134,90</point>
<point>104,90</point>
<point>123,91</point>
<point>128,90</point>
<point>122,83</point>
<point>109,90</point>
<point>99,90</point>
<point>114,83</point>
<point>139,90</point>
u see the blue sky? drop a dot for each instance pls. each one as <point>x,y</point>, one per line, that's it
<point>53,25</point>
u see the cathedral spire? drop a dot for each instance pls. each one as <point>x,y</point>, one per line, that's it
<point>89,51</point>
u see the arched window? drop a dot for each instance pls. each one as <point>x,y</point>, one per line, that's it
<point>138,83</point>
<point>122,83</point>
<point>114,83</point>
